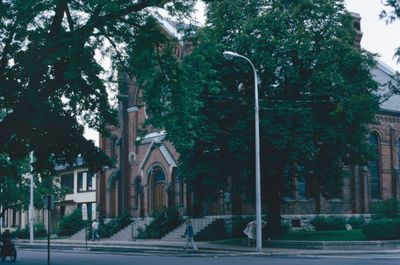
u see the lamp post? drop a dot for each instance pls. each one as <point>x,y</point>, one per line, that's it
<point>230,55</point>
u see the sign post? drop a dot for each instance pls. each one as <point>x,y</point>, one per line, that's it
<point>48,201</point>
<point>31,230</point>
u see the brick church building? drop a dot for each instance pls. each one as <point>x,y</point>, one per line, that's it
<point>146,178</point>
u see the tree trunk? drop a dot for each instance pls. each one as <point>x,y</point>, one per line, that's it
<point>273,213</point>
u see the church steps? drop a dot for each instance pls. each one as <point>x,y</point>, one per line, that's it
<point>199,224</point>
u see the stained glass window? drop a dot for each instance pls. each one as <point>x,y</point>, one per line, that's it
<point>374,167</point>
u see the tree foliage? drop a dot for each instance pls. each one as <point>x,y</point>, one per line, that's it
<point>51,84</point>
<point>15,186</point>
<point>49,78</point>
<point>317,98</point>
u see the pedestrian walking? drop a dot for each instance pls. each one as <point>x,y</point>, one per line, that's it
<point>189,236</point>
<point>95,230</point>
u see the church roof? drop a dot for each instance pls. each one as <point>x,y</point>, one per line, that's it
<point>385,76</point>
<point>150,137</point>
<point>155,140</point>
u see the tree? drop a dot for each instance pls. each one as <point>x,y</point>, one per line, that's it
<point>317,99</point>
<point>15,186</point>
<point>394,13</point>
<point>51,86</point>
<point>14,190</point>
<point>49,78</point>
<point>50,82</point>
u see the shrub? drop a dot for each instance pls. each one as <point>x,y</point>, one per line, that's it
<point>215,231</point>
<point>71,223</point>
<point>106,230</point>
<point>386,209</point>
<point>39,230</point>
<point>162,224</point>
<point>24,233</point>
<point>382,229</point>
<point>328,223</point>
<point>356,222</point>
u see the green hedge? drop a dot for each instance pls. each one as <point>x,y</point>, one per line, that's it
<point>70,224</point>
<point>356,222</point>
<point>24,233</point>
<point>382,229</point>
<point>328,223</point>
<point>386,209</point>
<point>106,230</point>
<point>162,224</point>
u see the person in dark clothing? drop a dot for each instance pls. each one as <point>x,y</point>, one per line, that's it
<point>189,235</point>
<point>6,237</point>
<point>7,247</point>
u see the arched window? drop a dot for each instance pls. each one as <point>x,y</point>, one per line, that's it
<point>374,167</point>
<point>158,174</point>
<point>301,178</point>
<point>301,187</point>
<point>398,150</point>
<point>138,191</point>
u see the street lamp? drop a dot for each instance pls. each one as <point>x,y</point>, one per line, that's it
<point>231,55</point>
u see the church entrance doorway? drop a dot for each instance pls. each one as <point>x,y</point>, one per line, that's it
<point>158,200</point>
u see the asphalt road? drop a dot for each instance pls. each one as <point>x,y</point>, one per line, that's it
<point>77,258</point>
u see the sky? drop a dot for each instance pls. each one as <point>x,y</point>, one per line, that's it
<point>378,37</point>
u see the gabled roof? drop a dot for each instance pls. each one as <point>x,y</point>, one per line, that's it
<point>79,162</point>
<point>154,136</point>
<point>167,155</point>
<point>164,151</point>
<point>384,75</point>
<point>167,23</point>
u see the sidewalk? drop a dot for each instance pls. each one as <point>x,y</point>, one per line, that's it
<point>157,247</point>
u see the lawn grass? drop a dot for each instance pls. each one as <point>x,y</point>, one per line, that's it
<point>332,235</point>
<point>238,241</point>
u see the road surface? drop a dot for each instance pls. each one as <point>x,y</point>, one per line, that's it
<point>39,257</point>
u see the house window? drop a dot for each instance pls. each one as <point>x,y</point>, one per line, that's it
<point>80,181</point>
<point>89,181</point>
<point>89,210</point>
<point>14,218</point>
<point>374,167</point>
<point>67,181</point>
